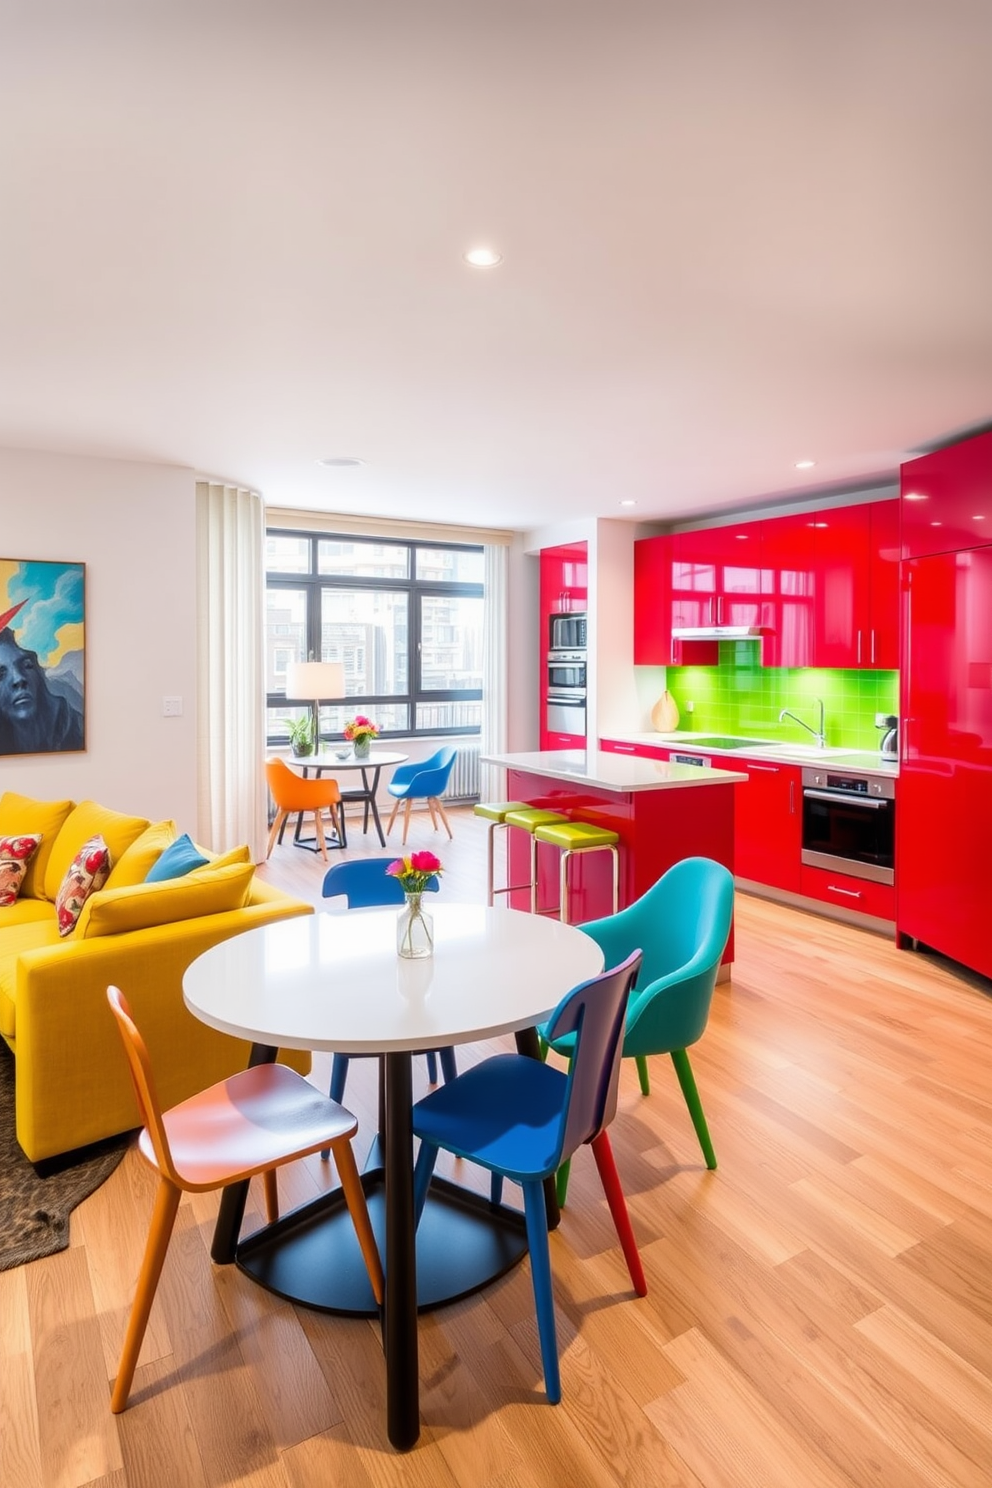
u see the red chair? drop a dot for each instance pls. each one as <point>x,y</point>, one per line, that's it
<point>292,793</point>
<point>251,1124</point>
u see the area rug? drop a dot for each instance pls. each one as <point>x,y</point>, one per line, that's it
<point>36,1201</point>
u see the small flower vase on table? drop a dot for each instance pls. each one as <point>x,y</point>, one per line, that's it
<point>415,927</point>
<point>359,733</point>
<point>362,748</point>
<point>414,930</point>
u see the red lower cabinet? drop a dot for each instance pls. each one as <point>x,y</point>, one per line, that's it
<point>768,824</point>
<point>563,741</point>
<point>859,894</point>
<point>641,751</point>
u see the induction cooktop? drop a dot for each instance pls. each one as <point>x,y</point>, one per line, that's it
<point>717,741</point>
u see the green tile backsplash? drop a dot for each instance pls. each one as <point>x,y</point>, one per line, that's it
<point>740,696</point>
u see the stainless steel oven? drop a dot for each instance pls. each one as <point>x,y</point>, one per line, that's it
<point>567,712</point>
<point>849,823</point>
<point>567,671</point>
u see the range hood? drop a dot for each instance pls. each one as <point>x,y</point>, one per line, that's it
<point>718,632</point>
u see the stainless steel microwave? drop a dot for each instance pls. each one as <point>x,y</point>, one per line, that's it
<point>567,632</point>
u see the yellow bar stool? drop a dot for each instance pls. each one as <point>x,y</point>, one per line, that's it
<point>528,819</point>
<point>494,812</point>
<point>575,838</point>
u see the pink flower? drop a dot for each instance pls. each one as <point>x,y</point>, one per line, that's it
<point>425,862</point>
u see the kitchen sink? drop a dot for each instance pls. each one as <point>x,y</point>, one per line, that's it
<point>812,752</point>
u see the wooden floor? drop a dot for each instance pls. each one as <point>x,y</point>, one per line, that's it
<point>819,1312</point>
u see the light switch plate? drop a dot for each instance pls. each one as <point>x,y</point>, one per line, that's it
<point>172,707</point>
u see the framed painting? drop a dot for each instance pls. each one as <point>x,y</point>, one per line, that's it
<point>42,654</point>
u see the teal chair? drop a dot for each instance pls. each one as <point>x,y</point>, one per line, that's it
<point>681,925</point>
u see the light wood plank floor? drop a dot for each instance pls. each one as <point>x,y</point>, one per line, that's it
<point>819,1313</point>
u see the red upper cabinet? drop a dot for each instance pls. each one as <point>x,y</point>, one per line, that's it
<point>564,581</point>
<point>716,576</point>
<point>856,586</point>
<point>653,601</point>
<point>947,499</point>
<point>786,616</point>
<point>884,534</point>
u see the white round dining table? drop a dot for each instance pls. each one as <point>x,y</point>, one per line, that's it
<point>334,981</point>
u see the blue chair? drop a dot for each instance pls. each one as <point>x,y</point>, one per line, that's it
<point>521,1119</point>
<point>681,926</point>
<point>364,883</point>
<point>423,780</point>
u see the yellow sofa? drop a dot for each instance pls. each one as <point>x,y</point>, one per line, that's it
<point>72,1080</point>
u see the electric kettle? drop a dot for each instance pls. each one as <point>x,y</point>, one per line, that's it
<point>890,738</point>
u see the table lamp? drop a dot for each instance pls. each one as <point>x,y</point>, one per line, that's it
<point>312,680</point>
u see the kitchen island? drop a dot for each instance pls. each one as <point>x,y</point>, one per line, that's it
<point>662,812</point>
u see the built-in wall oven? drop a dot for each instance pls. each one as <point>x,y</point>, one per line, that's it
<point>566,709</point>
<point>567,632</point>
<point>849,823</point>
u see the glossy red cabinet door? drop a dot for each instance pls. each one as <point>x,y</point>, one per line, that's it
<point>716,575</point>
<point>944,818</point>
<point>563,590</point>
<point>842,586</point>
<point>883,644</point>
<point>768,823</point>
<point>653,601</point>
<point>947,499</point>
<point>786,614</point>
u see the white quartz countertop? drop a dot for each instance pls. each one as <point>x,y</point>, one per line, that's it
<point>613,772</point>
<point>866,762</point>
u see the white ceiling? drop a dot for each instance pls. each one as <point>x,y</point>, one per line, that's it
<point>736,233</point>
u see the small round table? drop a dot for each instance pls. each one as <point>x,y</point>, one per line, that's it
<point>371,765</point>
<point>334,981</point>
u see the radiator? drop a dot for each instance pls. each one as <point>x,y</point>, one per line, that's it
<point>463,782</point>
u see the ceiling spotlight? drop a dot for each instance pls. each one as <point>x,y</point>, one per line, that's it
<point>340,462</point>
<point>483,258</point>
<point>628,503</point>
<point>805,464</point>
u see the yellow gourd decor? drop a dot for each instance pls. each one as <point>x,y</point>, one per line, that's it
<point>665,714</point>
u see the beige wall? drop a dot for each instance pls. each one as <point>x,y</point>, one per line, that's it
<point>133,526</point>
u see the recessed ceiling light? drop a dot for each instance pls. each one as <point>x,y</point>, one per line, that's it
<point>340,462</point>
<point>483,258</point>
<point>628,503</point>
<point>805,464</point>
<point>915,496</point>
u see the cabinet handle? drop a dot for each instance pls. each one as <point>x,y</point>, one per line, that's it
<point>792,798</point>
<point>624,748</point>
<point>769,769</point>
<point>849,893</point>
<point>859,648</point>
<point>873,645</point>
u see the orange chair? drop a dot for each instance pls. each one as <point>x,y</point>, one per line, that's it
<point>292,793</point>
<point>252,1123</point>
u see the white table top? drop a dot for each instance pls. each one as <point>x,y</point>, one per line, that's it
<point>334,981</point>
<point>326,759</point>
<point>612,772</point>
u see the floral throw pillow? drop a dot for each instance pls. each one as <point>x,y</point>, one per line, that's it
<point>87,873</point>
<point>15,854</point>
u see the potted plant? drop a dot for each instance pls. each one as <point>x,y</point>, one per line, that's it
<point>300,732</point>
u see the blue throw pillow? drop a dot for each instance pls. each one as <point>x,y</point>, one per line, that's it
<point>180,858</point>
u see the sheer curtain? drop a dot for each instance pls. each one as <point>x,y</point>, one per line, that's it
<point>230,689</point>
<point>494,664</point>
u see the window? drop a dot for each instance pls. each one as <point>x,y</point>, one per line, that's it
<point>404,618</point>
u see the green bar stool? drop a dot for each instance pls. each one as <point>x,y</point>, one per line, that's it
<point>528,819</point>
<point>575,838</point>
<point>494,812</point>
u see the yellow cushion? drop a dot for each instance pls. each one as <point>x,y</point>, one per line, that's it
<point>204,892</point>
<point>224,860</point>
<point>15,939</point>
<point>19,814</point>
<point>23,912</point>
<point>90,820</point>
<point>134,863</point>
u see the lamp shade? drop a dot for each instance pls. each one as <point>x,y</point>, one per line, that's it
<point>310,680</point>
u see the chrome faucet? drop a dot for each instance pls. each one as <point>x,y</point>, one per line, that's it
<point>818,734</point>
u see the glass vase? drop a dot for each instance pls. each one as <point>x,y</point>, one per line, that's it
<point>414,930</point>
<point>361,748</point>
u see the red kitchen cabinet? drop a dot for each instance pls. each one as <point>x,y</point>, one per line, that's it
<point>768,823</point>
<point>946,499</point>
<point>564,589</point>
<point>944,820</point>
<point>641,751</point>
<point>786,615</point>
<point>858,894</point>
<point>653,601</point>
<point>716,576</point>
<point>855,586</point>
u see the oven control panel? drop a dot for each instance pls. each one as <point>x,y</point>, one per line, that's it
<point>849,785</point>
